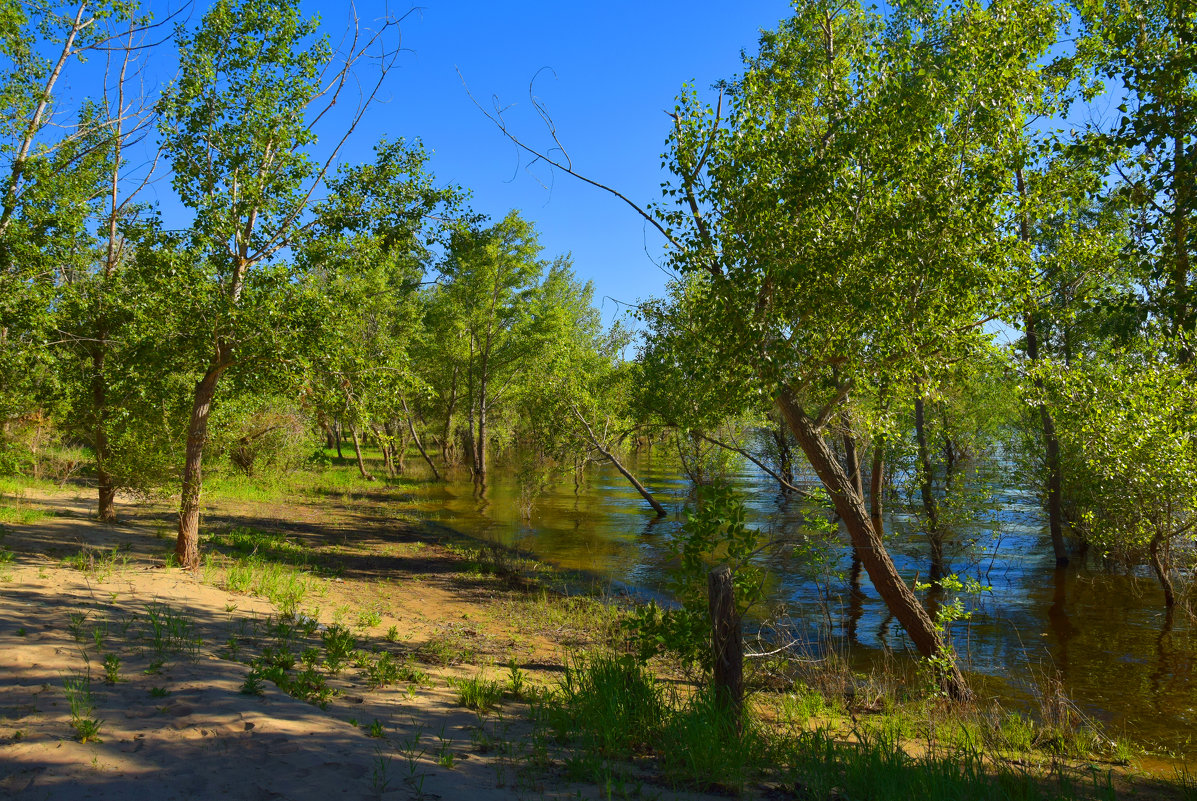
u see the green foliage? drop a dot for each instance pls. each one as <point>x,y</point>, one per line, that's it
<point>77,688</point>
<point>339,647</point>
<point>714,533</point>
<point>1129,439</point>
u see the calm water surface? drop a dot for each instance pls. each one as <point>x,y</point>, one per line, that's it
<point>1105,636</point>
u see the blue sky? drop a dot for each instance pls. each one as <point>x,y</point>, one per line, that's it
<point>613,71</point>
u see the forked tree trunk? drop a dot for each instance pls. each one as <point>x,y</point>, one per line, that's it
<point>187,545</point>
<point>384,444</point>
<point>867,539</point>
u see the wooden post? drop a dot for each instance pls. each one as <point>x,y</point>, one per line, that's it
<point>726,642</point>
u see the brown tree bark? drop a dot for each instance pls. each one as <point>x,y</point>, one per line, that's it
<point>927,490</point>
<point>357,451</point>
<point>610,457</point>
<point>727,643</point>
<point>105,485</point>
<point>1055,506</point>
<point>1160,564</point>
<point>866,537</point>
<point>187,544</point>
<point>416,438</point>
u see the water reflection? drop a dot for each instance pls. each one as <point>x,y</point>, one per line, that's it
<point>1106,636</point>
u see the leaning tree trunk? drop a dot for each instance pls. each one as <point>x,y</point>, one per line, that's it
<point>187,545</point>
<point>419,445</point>
<point>644,493</point>
<point>866,537</point>
<point>357,451</point>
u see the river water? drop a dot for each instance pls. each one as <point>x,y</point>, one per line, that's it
<point>1105,637</point>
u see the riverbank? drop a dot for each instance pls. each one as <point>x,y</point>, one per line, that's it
<point>371,654</point>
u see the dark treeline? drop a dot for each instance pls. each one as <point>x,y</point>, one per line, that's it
<point>896,266</point>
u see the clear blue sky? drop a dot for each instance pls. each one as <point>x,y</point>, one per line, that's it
<point>617,66</point>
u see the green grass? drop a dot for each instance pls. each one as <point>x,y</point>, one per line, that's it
<point>20,514</point>
<point>451,648</point>
<point>169,632</point>
<point>610,712</point>
<point>477,693</point>
<point>77,688</point>
<point>99,563</point>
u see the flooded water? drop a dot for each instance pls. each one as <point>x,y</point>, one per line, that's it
<point>1105,636</point>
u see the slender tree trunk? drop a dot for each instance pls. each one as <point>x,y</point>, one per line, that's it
<point>384,444</point>
<point>398,435</point>
<point>187,545</point>
<point>357,451</point>
<point>927,490</point>
<point>105,486</point>
<point>339,433</point>
<point>480,448</point>
<point>416,438</point>
<point>1055,492</point>
<point>330,439</point>
<point>1160,564</point>
<point>867,538</point>
<point>1055,510</point>
<point>1182,182</point>
<point>450,407</point>
<point>645,494</point>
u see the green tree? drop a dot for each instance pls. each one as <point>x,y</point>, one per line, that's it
<point>238,127</point>
<point>1128,430</point>
<point>491,277</point>
<point>843,213</point>
<point>1151,47</point>
<point>50,189</point>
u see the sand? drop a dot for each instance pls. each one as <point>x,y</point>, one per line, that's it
<point>176,725</point>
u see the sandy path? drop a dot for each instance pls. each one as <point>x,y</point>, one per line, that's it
<point>182,729</point>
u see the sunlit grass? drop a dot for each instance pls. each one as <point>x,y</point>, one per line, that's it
<point>262,563</point>
<point>20,514</point>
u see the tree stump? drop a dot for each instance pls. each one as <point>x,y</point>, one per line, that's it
<point>726,643</point>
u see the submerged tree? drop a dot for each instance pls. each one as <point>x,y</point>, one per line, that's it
<point>842,215</point>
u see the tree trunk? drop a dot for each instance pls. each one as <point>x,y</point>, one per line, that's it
<point>384,444</point>
<point>357,451</point>
<point>187,545</point>
<point>1160,564</point>
<point>1182,182</point>
<point>480,448</point>
<point>330,439</point>
<point>450,407</point>
<point>398,435</point>
<point>727,644</point>
<point>105,486</point>
<point>930,507</point>
<point>1055,504</point>
<point>867,539</point>
<point>416,437</point>
<point>338,430</point>
<point>619,466</point>
<point>1055,513</point>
